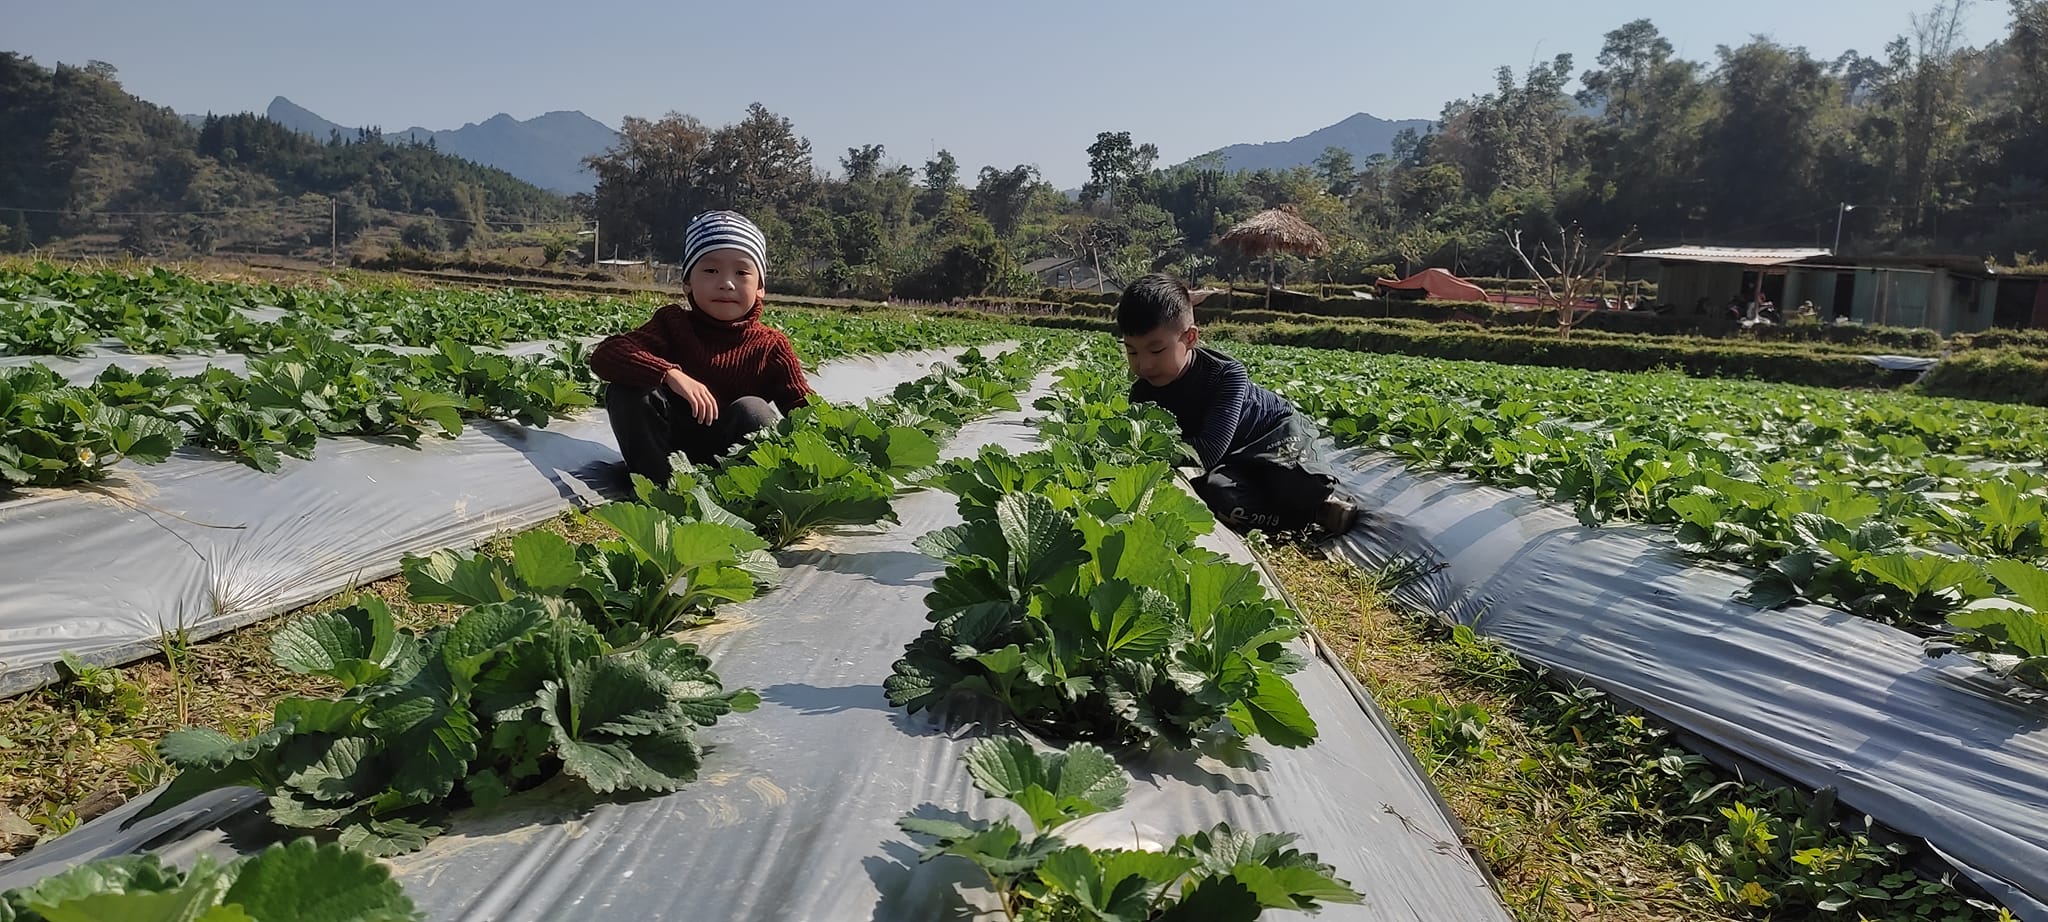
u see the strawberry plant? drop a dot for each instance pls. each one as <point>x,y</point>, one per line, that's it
<point>1214,876</point>
<point>1102,622</point>
<point>551,670</point>
<point>39,326</point>
<point>1889,506</point>
<point>2009,636</point>
<point>660,574</point>
<point>298,880</point>
<point>826,465</point>
<point>52,434</point>
<point>1075,598</point>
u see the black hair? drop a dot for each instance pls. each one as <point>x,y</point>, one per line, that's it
<point>1155,301</point>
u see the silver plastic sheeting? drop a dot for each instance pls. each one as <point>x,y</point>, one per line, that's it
<point>1931,747</point>
<point>1902,362</point>
<point>205,545</point>
<point>794,816</point>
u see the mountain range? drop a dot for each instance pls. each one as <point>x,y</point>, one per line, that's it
<point>1363,135</point>
<point>546,150</point>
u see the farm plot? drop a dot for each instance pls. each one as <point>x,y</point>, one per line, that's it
<point>1922,513</point>
<point>380,362</point>
<point>1941,747</point>
<point>816,651</point>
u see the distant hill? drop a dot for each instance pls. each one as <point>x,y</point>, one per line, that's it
<point>163,183</point>
<point>302,120</point>
<point>546,150</point>
<point>1363,135</point>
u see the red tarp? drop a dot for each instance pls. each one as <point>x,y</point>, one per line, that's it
<point>1439,284</point>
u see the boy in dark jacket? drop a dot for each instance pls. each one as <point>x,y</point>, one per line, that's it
<point>1259,459</point>
<point>700,379</point>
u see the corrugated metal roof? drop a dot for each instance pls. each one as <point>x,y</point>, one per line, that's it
<point>1740,256</point>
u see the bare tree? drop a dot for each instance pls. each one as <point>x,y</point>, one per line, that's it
<point>1566,274</point>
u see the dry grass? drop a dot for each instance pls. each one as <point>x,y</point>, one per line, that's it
<point>1550,833</point>
<point>69,754</point>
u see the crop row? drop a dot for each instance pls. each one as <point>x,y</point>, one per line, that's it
<point>1924,513</point>
<point>58,311</point>
<point>563,660</point>
<point>313,386</point>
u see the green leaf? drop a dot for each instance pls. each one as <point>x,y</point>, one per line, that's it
<point>2025,630</point>
<point>1293,886</point>
<point>969,539</point>
<point>1919,574</point>
<point>387,838</point>
<point>907,449</point>
<point>1072,871</point>
<point>545,562</point>
<point>425,720</point>
<point>445,576</point>
<point>349,644</point>
<point>1053,788</point>
<point>198,747</point>
<point>1043,540</point>
<point>329,768</point>
<point>308,882</point>
<point>1274,711</point>
<point>486,631</point>
<point>1131,620</point>
<point>2027,582</point>
<point>661,761</point>
<point>1216,899</point>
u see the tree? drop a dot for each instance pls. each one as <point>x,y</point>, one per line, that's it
<point>425,234</point>
<point>651,182</point>
<point>941,180</point>
<point>16,237</point>
<point>758,163</point>
<point>862,164</point>
<point>1568,273</point>
<point>941,173</point>
<point>1337,171</point>
<point>1115,165</point>
<point>1002,196</point>
<point>1643,147</point>
<point>1760,150</point>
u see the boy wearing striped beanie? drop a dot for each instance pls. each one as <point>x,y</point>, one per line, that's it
<point>699,379</point>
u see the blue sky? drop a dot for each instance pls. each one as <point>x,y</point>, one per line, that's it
<point>995,83</point>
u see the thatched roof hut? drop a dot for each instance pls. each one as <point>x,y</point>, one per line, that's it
<point>1272,232</point>
<point>1276,230</point>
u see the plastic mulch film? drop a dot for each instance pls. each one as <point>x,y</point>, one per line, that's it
<point>204,545</point>
<point>1935,748</point>
<point>794,814</point>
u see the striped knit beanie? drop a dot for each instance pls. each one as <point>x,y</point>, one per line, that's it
<point>724,230</point>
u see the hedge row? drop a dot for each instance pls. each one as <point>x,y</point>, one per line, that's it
<point>2002,375</point>
<point>1539,323</point>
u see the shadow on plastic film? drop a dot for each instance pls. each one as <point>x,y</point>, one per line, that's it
<point>596,466</point>
<point>910,888</point>
<point>812,699</point>
<point>886,568</point>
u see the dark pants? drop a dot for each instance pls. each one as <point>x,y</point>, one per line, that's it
<point>1279,486</point>
<point>651,425</point>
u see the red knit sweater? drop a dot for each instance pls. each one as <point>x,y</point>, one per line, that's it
<point>734,358</point>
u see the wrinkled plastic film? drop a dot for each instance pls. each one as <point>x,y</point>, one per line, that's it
<point>794,814</point>
<point>1935,748</point>
<point>203,545</point>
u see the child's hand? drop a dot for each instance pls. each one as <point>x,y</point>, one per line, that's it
<point>703,406</point>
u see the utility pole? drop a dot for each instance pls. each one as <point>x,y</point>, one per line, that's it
<point>333,231</point>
